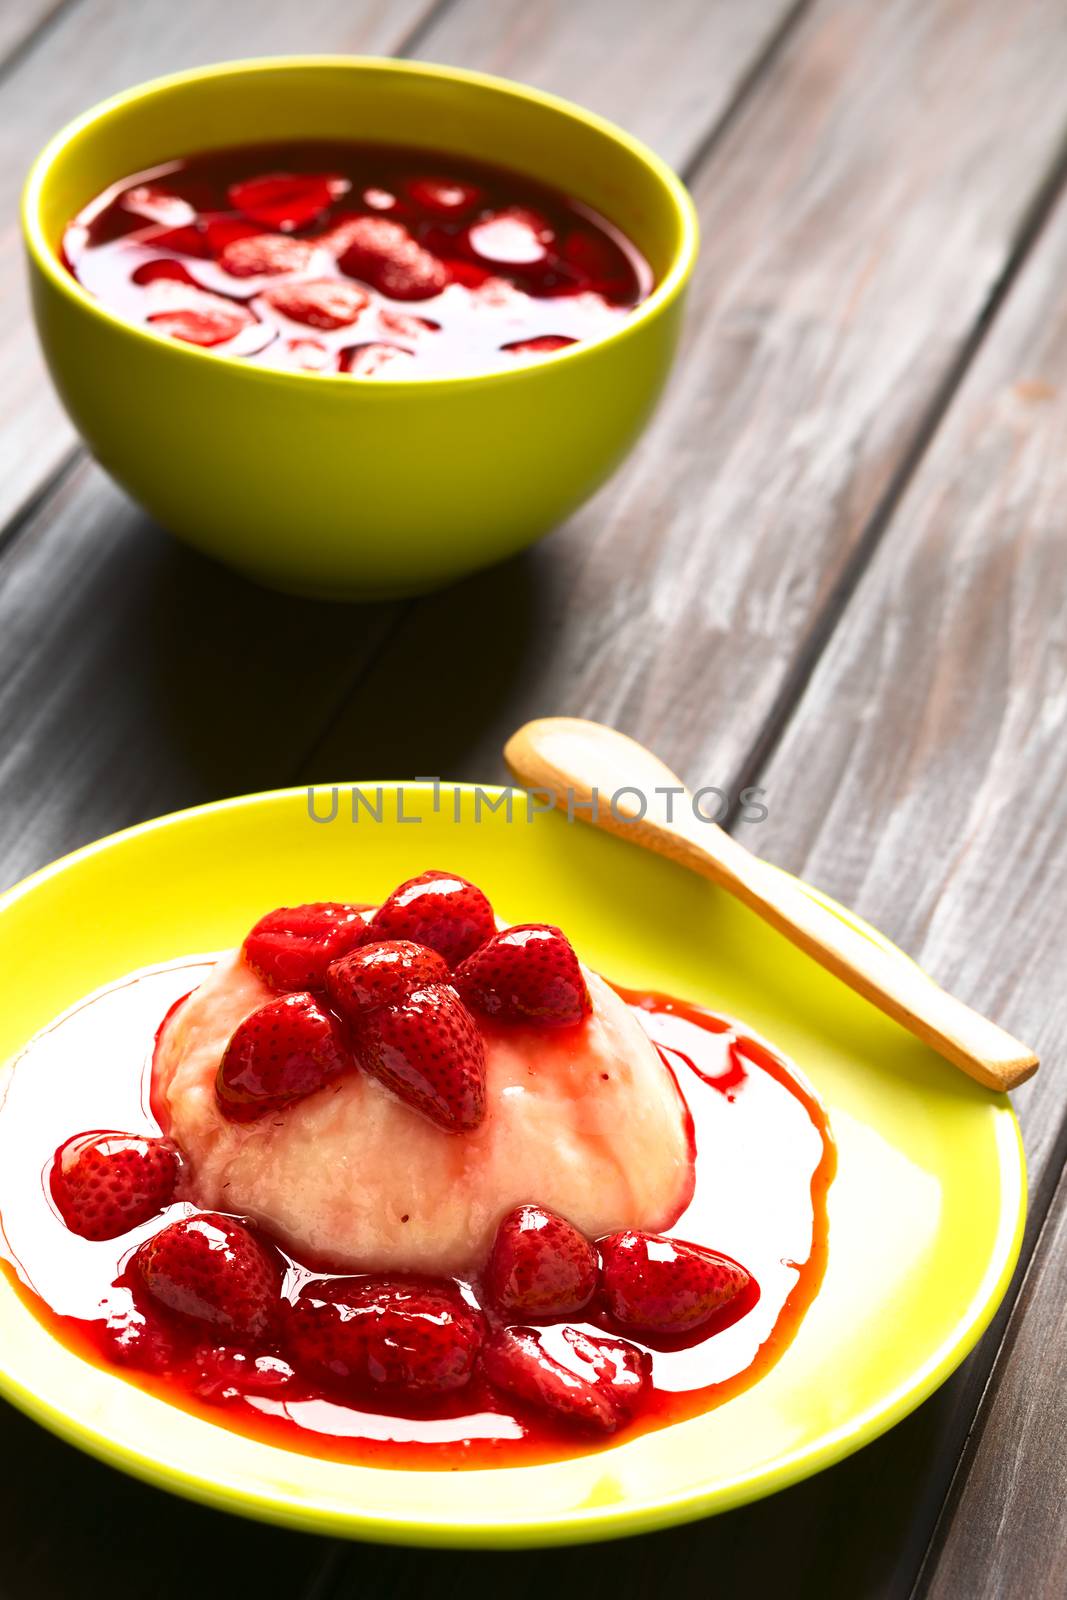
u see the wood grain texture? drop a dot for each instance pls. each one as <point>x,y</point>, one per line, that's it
<point>1004,1523</point>
<point>140,677</point>
<point>669,83</point>
<point>857,217</point>
<point>923,780</point>
<point>19,22</point>
<point>94,48</point>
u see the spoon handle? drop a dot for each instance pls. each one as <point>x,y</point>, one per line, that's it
<point>575,761</point>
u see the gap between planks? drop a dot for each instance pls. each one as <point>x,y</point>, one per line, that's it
<point>21,45</point>
<point>758,758</point>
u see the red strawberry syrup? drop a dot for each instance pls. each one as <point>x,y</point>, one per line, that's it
<point>764,1160</point>
<point>364,260</point>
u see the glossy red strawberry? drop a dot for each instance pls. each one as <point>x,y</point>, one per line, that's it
<point>418,1338</point>
<point>438,909</point>
<point>382,253</point>
<point>103,1184</point>
<point>601,264</point>
<point>285,200</point>
<point>381,975</point>
<point>221,232</point>
<point>540,1265</point>
<point>283,1051</point>
<point>468,273</point>
<point>653,1284</point>
<point>210,1268</point>
<point>515,1360</point>
<point>616,1364</point>
<point>209,321</point>
<point>154,271</point>
<point>264,254</point>
<point>443,197</point>
<point>429,1052</point>
<point>291,948</point>
<point>528,973</point>
<point>543,345</point>
<point>324,303</point>
<point>188,240</point>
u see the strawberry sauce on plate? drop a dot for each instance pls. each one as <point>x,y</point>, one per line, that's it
<point>364,260</point>
<point>551,1345</point>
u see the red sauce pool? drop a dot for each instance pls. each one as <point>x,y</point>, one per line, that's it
<point>367,260</point>
<point>764,1163</point>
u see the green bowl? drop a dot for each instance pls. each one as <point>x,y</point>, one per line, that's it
<point>323,485</point>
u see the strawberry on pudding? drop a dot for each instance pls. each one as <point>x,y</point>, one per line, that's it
<point>401,1113</point>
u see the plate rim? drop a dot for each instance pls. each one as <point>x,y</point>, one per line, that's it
<point>574,1526</point>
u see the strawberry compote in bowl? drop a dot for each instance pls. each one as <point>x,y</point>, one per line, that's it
<point>408,1186</point>
<point>355,327</point>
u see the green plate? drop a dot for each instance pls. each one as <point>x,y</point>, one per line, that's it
<point>926,1211</point>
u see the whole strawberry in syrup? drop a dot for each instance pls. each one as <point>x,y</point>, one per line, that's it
<point>382,253</point>
<point>429,1052</point>
<point>594,1386</point>
<point>211,1269</point>
<point>438,909</point>
<point>283,1051</point>
<point>653,1284</point>
<point>528,973</point>
<point>291,948</point>
<point>415,1337</point>
<point>540,1265</point>
<point>382,974</point>
<point>106,1183</point>
<point>286,200</point>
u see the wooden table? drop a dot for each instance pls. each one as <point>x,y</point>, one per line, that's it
<point>835,567</point>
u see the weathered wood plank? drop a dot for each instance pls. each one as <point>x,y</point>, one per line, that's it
<point>142,677</point>
<point>19,21</point>
<point>95,48</point>
<point>857,218</point>
<point>923,780</point>
<point>670,84</point>
<point>1004,1524</point>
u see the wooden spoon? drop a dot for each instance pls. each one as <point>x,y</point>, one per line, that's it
<point>574,761</point>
